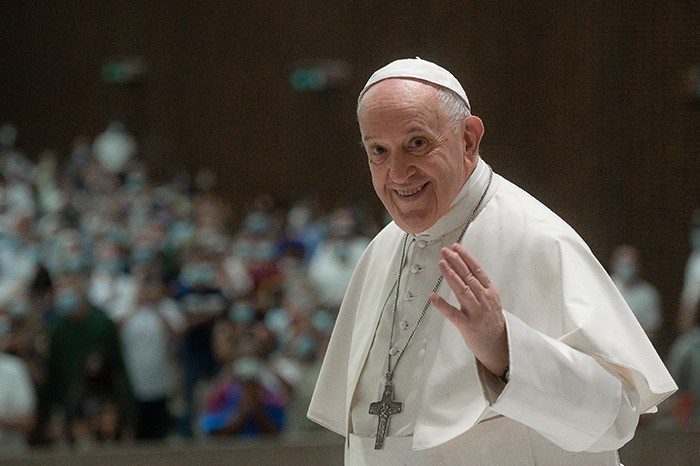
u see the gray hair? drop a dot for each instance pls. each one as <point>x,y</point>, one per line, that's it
<point>451,105</point>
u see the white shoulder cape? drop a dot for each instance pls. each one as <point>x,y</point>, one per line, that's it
<point>560,306</point>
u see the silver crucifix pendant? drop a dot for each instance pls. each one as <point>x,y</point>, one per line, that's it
<point>384,408</point>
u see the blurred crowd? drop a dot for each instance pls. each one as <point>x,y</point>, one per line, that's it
<point>681,410</point>
<point>132,309</point>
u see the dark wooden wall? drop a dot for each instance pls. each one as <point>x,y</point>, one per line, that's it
<point>585,103</point>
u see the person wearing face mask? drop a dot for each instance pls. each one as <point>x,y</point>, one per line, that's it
<point>110,283</point>
<point>335,259</point>
<point>642,297</point>
<point>81,330</point>
<point>203,302</point>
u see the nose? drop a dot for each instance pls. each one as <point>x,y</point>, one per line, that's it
<point>400,167</point>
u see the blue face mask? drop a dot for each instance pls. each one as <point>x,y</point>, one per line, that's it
<point>143,254</point>
<point>113,265</point>
<point>277,320</point>
<point>323,322</point>
<point>305,347</point>
<point>66,303</point>
<point>626,271</point>
<point>265,251</point>
<point>73,262</point>
<point>201,274</point>
<point>242,313</point>
<point>242,249</point>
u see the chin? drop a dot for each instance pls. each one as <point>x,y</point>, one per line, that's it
<point>413,227</point>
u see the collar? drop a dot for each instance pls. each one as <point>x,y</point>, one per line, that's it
<point>466,200</point>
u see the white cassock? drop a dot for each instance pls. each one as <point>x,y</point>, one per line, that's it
<point>581,367</point>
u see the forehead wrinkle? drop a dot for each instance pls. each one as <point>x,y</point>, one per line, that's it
<point>411,130</point>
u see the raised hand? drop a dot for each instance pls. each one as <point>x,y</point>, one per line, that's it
<point>479,318</point>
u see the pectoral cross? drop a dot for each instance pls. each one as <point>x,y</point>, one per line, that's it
<point>384,408</point>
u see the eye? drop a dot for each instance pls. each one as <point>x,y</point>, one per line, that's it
<point>418,146</point>
<point>417,143</point>
<point>377,153</point>
<point>377,150</point>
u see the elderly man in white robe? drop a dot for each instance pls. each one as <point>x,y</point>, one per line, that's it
<point>533,357</point>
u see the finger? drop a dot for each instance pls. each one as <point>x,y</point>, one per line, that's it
<point>464,294</point>
<point>451,313</point>
<point>456,262</point>
<point>474,266</point>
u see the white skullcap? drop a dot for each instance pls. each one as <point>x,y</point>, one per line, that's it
<point>418,68</point>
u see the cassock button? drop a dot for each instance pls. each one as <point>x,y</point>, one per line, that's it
<point>403,325</point>
<point>393,351</point>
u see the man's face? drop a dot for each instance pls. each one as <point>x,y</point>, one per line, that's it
<point>418,160</point>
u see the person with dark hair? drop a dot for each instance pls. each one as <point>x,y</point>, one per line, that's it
<point>81,332</point>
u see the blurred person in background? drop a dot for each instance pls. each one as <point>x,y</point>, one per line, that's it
<point>19,252</point>
<point>97,410</point>
<point>641,296</point>
<point>258,243</point>
<point>690,294</point>
<point>684,365</point>
<point>243,406</point>
<point>247,397</point>
<point>302,225</point>
<point>81,330</point>
<point>114,147</point>
<point>19,193</point>
<point>334,261</point>
<point>17,394</point>
<point>111,283</point>
<point>150,329</point>
<point>202,301</point>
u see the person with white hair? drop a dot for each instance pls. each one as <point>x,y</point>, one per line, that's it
<point>478,327</point>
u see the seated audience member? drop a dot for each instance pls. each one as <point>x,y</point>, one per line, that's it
<point>241,404</point>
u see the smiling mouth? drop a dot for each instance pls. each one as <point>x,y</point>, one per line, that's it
<point>410,192</point>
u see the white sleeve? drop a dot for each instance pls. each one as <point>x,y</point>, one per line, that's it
<point>568,396</point>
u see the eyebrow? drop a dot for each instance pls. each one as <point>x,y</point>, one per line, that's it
<point>413,129</point>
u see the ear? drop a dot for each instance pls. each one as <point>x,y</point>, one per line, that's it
<point>473,132</point>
